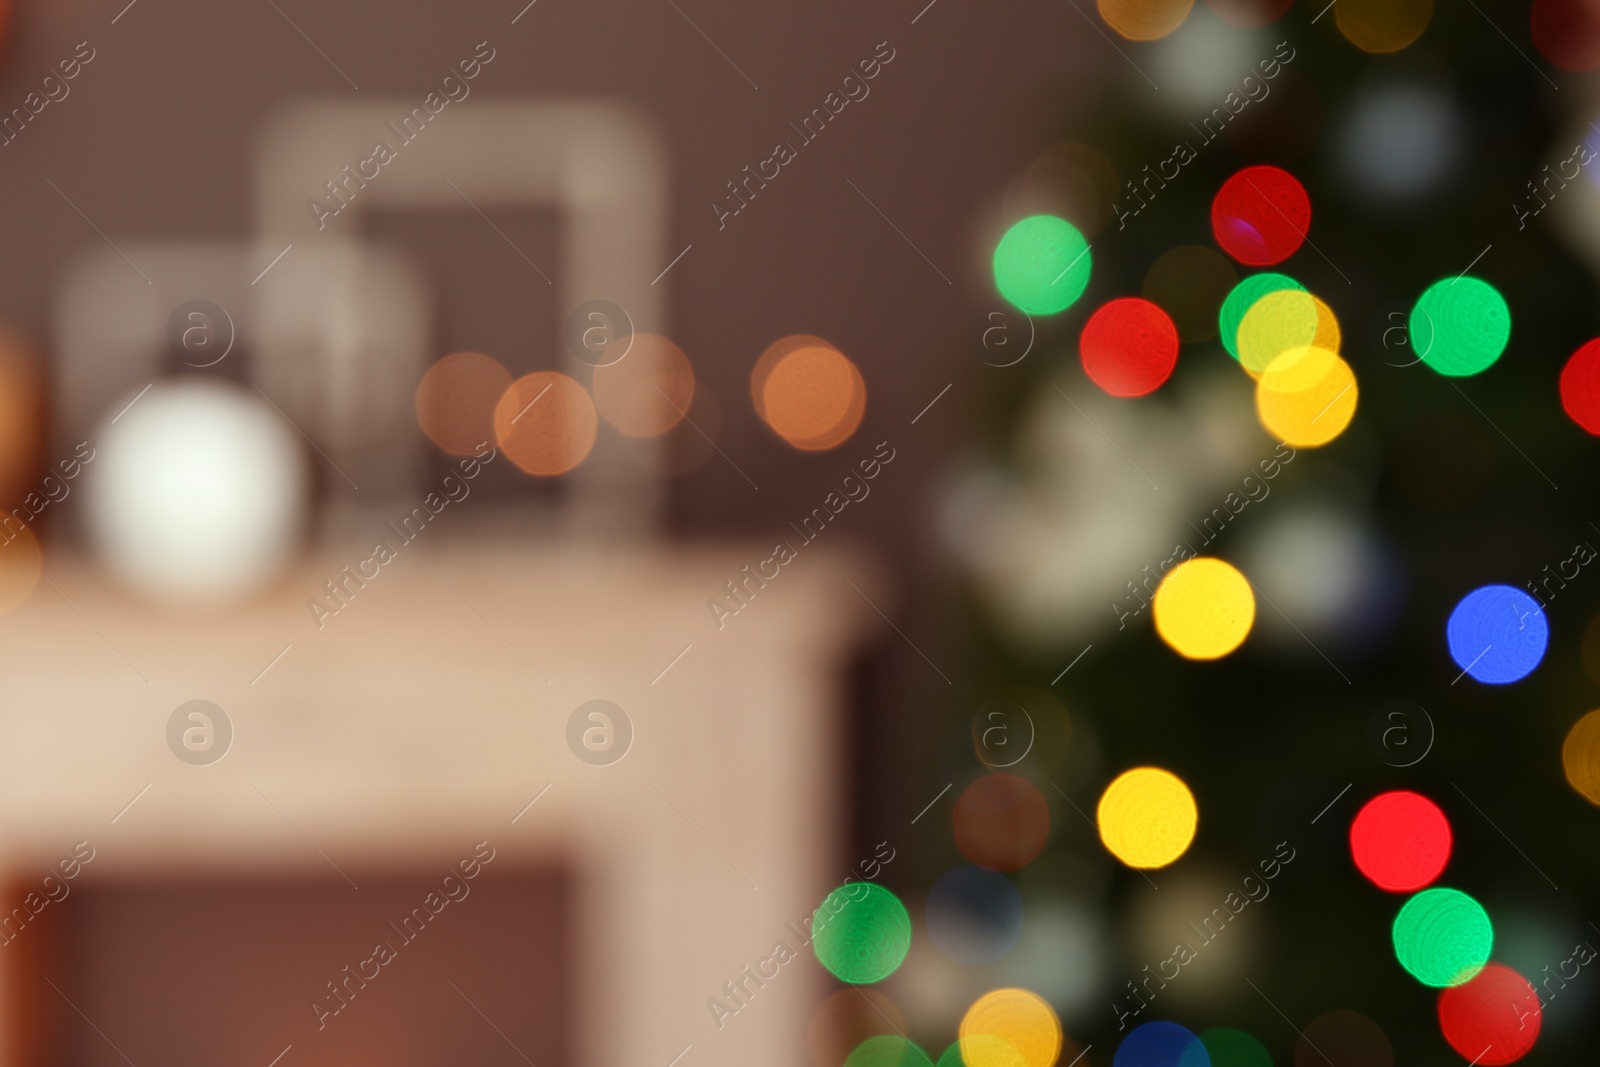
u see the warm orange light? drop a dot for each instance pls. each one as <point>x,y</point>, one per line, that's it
<point>1144,20</point>
<point>774,354</point>
<point>456,400</point>
<point>1381,26</point>
<point>545,423</point>
<point>648,391</point>
<point>809,393</point>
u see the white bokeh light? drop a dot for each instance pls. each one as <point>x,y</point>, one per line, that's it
<point>1400,141</point>
<point>197,494</point>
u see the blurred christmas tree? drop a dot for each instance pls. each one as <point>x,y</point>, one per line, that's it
<point>1433,145</point>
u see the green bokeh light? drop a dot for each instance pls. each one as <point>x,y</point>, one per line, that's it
<point>861,933</point>
<point>1042,264</point>
<point>888,1050</point>
<point>1242,298</point>
<point>1234,1048</point>
<point>1460,326</point>
<point>1443,937</point>
<point>952,1056</point>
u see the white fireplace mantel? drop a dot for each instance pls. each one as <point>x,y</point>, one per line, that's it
<point>416,723</point>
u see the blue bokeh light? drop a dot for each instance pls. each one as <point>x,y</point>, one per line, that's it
<point>1161,1045</point>
<point>1497,634</point>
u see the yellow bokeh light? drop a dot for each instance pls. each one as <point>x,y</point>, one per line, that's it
<point>1380,26</point>
<point>1580,757</point>
<point>21,563</point>
<point>1010,1028</point>
<point>1283,320</point>
<point>1306,397</point>
<point>1144,20</point>
<point>1147,817</point>
<point>1204,608</point>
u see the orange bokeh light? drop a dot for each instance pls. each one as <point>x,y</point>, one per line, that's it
<point>647,392</point>
<point>808,392</point>
<point>456,400</point>
<point>545,423</point>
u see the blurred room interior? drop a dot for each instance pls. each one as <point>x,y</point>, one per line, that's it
<point>514,503</point>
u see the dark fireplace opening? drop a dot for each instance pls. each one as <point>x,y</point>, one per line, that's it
<point>410,969</point>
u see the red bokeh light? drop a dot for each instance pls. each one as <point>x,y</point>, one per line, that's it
<point>1260,216</point>
<point>1567,33</point>
<point>1129,347</point>
<point>1400,840</point>
<point>1493,1019</point>
<point>1580,387</point>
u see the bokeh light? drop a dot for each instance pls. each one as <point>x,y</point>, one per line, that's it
<point>1144,20</point>
<point>1190,283</point>
<point>1010,1017</point>
<point>1442,937</point>
<point>1129,347</point>
<point>845,1019</point>
<point>197,493</point>
<point>1042,264</point>
<point>1400,841</point>
<point>770,357</point>
<point>1306,397</point>
<point>808,392</point>
<point>1380,26</point>
<point>1261,216</point>
<point>1497,634</point>
<point>545,423</point>
<point>648,391</point>
<point>1244,297</point>
<point>1161,1044</point>
<point>861,933</point>
<point>456,398</point>
<point>1234,1048</point>
<point>1204,608</point>
<point>1328,569</point>
<point>1147,817</point>
<point>1460,326</point>
<point>887,1050</point>
<point>1196,66</point>
<point>21,564</point>
<point>974,915</point>
<point>1580,756</point>
<point>1056,929</point>
<point>1281,320</point>
<point>1343,1039</point>
<point>1001,822</point>
<point>1580,387</point>
<point>1493,1019</point>
<point>1400,141</point>
<point>1567,33</point>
